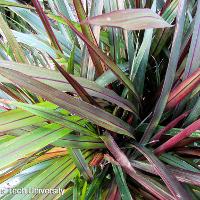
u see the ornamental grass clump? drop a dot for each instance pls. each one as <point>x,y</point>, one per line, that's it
<point>100,99</point>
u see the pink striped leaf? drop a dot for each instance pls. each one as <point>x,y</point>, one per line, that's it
<point>129,19</point>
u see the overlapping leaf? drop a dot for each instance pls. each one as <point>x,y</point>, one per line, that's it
<point>130,19</point>
<point>85,110</point>
<point>57,81</point>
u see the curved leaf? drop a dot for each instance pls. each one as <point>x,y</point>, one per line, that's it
<point>130,19</point>
<point>183,89</point>
<point>54,116</point>
<point>171,182</point>
<point>21,146</point>
<point>87,31</point>
<point>13,4</point>
<point>14,45</point>
<point>170,74</point>
<point>182,175</point>
<point>177,138</point>
<point>75,106</point>
<point>81,163</point>
<point>56,80</point>
<point>115,69</point>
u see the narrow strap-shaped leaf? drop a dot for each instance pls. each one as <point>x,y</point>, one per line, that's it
<point>17,148</point>
<point>81,163</point>
<point>183,89</point>
<point>80,90</point>
<point>195,113</point>
<point>16,49</point>
<point>109,77</point>
<point>113,191</point>
<point>116,70</point>
<point>76,189</point>
<point>177,138</point>
<point>84,190</point>
<point>177,161</point>
<point>80,142</point>
<point>171,132</point>
<point>169,126</point>
<point>15,119</point>
<point>139,64</point>
<point>170,74</point>
<point>70,63</point>
<point>96,183</point>
<point>171,182</point>
<point>81,108</point>
<point>182,175</point>
<point>12,94</point>
<point>56,80</point>
<point>14,4</point>
<point>162,35</point>
<point>122,185</point>
<point>46,24</point>
<point>193,60</point>
<point>58,174</point>
<point>149,184</point>
<point>130,19</point>
<point>52,115</point>
<point>88,33</point>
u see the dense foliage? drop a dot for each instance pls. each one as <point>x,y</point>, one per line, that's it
<point>100,99</point>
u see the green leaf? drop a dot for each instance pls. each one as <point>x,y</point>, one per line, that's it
<point>170,74</point>
<point>16,49</point>
<point>84,190</point>
<point>88,33</point>
<point>169,179</point>
<point>195,113</point>
<point>4,3</point>
<point>57,175</point>
<point>96,183</point>
<point>81,163</point>
<point>115,69</point>
<point>121,182</point>
<point>176,161</point>
<point>17,148</point>
<point>70,66</point>
<point>34,41</point>
<point>15,119</point>
<point>193,60</point>
<point>162,35</point>
<point>80,142</point>
<point>140,61</point>
<point>109,77</point>
<point>182,175</point>
<point>54,116</point>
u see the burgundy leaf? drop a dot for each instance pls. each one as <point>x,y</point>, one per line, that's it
<point>46,24</point>
<point>177,138</point>
<point>75,84</point>
<point>169,126</point>
<point>171,182</point>
<point>183,89</point>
